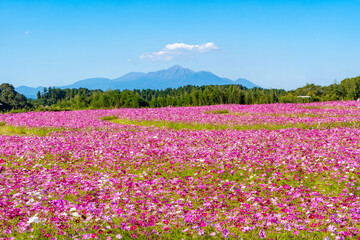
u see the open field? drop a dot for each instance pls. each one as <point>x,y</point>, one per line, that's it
<point>275,171</point>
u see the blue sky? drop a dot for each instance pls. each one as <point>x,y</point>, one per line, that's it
<point>277,44</point>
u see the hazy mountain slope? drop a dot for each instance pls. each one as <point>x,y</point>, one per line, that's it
<point>92,83</point>
<point>173,77</point>
<point>245,83</point>
<point>29,92</point>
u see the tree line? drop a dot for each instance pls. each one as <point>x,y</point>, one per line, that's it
<point>68,99</point>
<point>183,96</point>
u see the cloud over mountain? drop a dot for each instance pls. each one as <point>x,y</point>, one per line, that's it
<point>177,49</point>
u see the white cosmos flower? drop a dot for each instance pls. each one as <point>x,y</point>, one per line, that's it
<point>75,214</point>
<point>34,219</point>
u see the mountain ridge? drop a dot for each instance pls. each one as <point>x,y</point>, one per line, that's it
<point>173,77</point>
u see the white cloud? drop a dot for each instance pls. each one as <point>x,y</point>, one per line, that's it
<point>177,49</point>
<point>26,32</point>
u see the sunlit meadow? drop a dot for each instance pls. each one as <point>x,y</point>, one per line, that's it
<point>275,171</point>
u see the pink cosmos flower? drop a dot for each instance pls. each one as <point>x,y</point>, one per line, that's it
<point>225,232</point>
<point>262,234</point>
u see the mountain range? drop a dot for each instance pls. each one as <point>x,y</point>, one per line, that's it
<point>173,77</point>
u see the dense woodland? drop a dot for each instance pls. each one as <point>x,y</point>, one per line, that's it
<point>10,99</point>
<point>69,99</point>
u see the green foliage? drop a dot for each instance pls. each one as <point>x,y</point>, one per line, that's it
<point>10,99</point>
<point>348,89</point>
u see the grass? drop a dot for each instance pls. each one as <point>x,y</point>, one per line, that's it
<point>170,124</point>
<point>12,130</point>
<point>71,233</point>
<point>208,126</point>
<point>4,131</point>
<point>108,118</point>
<point>220,111</point>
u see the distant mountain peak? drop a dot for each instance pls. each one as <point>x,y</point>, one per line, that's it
<point>176,67</point>
<point>174,72</point>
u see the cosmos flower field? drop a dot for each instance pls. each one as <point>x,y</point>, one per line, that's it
<point>277,171</point>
